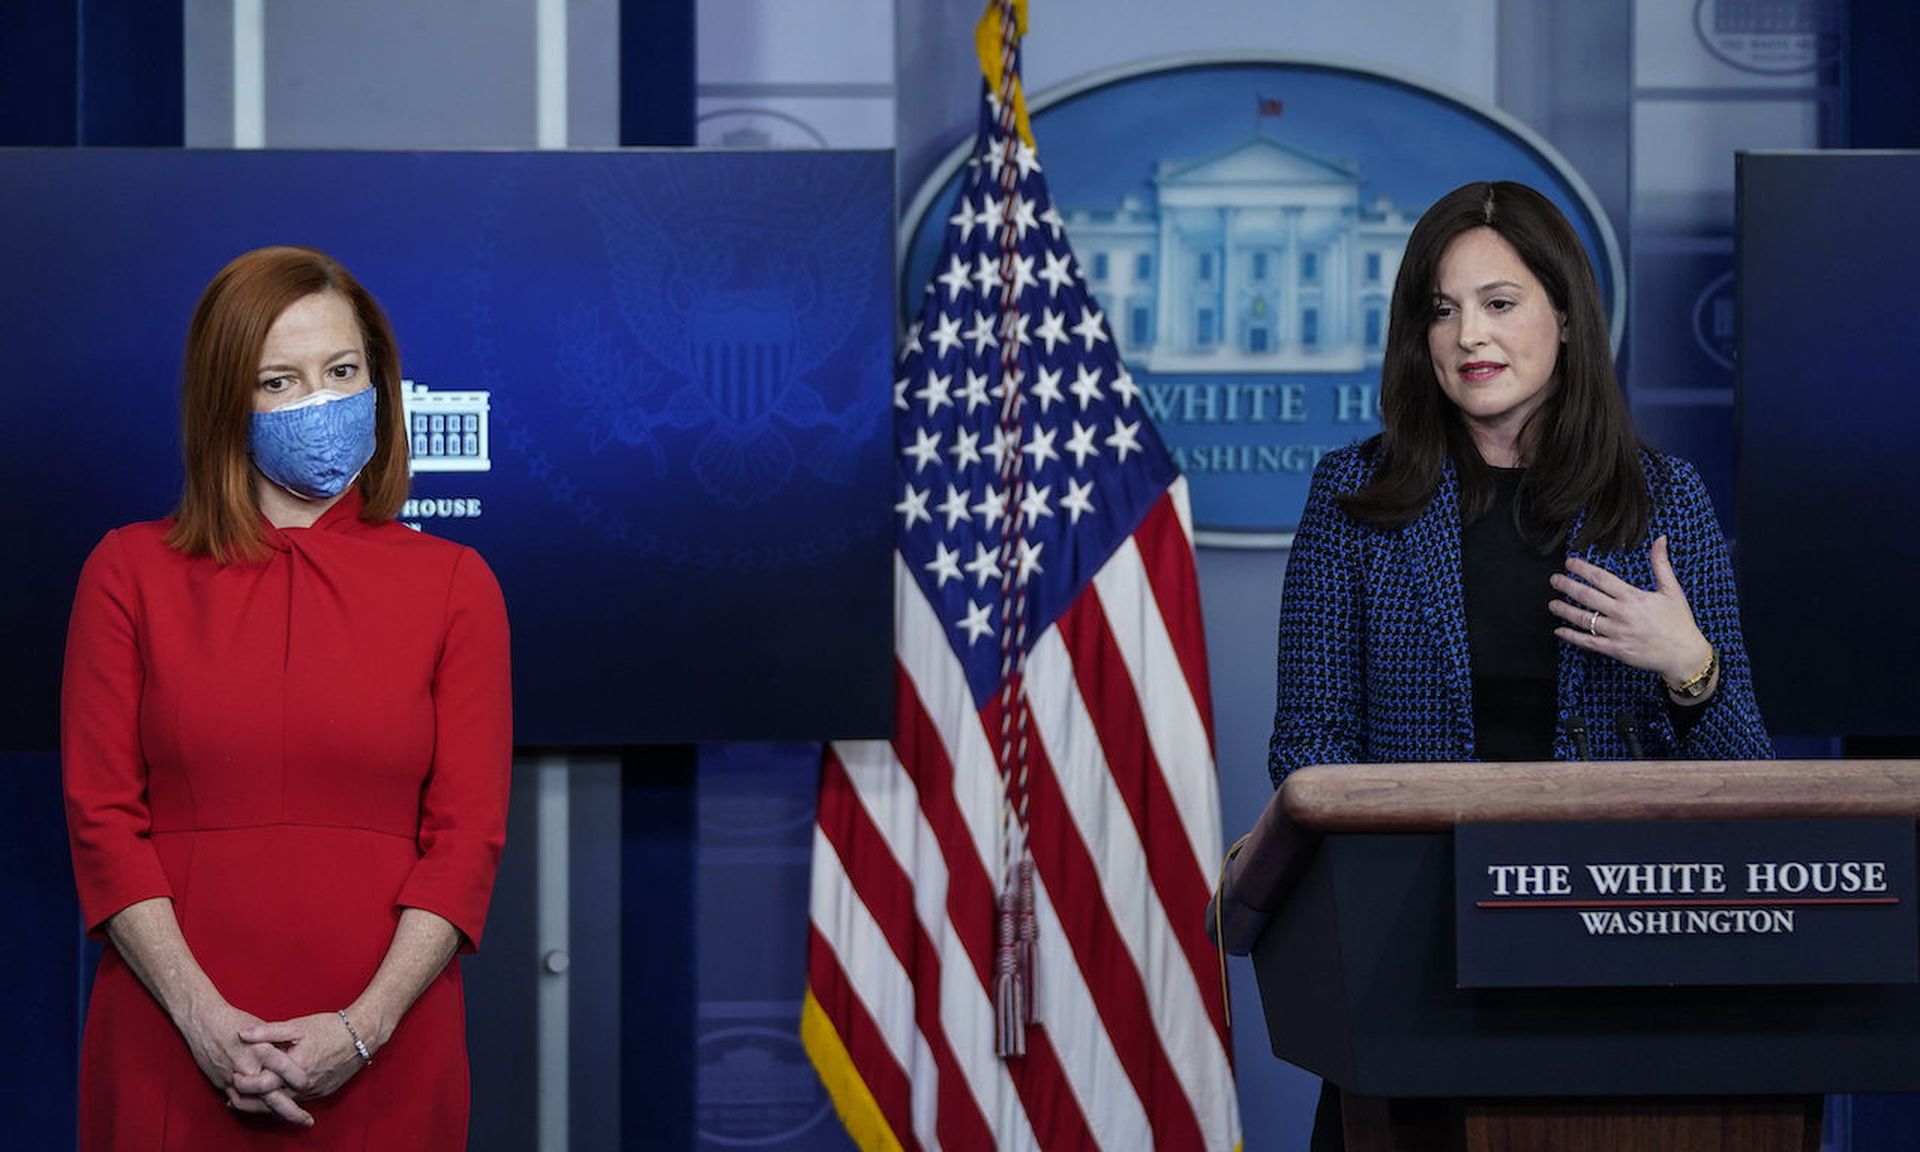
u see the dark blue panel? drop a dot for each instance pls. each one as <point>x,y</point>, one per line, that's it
<point>1828,497</point>
<point>1881,84</point>
<point>39,73</point>
<point>657,60</point>
<point>657,948</point>
<point>131,68</point>
<point>39,956</point>
<point>1885,1122</point>
<point>677,364</point>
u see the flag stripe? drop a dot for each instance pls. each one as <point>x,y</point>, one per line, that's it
<point>844,817</point>
<point>1166,557</point>
<point>1114,714</point>
<point>1103,953</point>
<point>852,1101</point>
<point>1171,726</point>
<point>1093,1083</point>
<point>885,1078</point>
<point>1102,799</point>
<point>1037,1080</point>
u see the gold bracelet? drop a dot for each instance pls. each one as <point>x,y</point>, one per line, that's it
<point>1696,686</point>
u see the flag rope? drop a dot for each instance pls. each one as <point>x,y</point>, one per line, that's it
<point>1015,925</point>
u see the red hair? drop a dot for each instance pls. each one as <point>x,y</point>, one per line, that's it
<point>218,514</point>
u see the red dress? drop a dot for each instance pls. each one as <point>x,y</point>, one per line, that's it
<point>292,750</point>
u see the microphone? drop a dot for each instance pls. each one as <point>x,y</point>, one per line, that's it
<point>1576,727</point>
<point>1630,732</point>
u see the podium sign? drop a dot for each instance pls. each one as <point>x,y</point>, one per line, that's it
<point>1685,903</point>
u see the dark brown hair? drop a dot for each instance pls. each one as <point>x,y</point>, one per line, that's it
<point>218,514</point>
<point>1579,446</point>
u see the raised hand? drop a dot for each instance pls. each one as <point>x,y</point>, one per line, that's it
<point>1651,629</point>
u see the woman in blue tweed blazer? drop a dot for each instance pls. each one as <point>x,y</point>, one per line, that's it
<point>1593,572</point>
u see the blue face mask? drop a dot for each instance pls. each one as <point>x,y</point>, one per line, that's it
<point>315,446</point>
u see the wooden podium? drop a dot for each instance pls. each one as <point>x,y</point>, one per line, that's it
<point>1343,895</point>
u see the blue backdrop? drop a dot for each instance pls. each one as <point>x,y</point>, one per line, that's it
<point>651,388</point>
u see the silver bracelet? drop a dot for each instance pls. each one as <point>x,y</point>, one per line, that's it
<point>359,1045</point>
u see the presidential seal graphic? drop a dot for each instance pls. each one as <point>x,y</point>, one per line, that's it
<point>688,354</point>
<point>1241,221</point>
<point>1769,37</point>
<point>756,1088</point>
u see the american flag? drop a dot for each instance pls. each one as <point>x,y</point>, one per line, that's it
<point>1052,711</point>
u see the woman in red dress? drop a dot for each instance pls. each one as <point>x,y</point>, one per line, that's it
<point>286,743</point>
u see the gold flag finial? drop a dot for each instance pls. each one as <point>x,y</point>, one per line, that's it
<point>990,38</point>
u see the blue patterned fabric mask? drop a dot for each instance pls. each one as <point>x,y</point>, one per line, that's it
<point>315,446</point>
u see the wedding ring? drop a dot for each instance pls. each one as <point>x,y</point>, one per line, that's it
<point>1593,628</point>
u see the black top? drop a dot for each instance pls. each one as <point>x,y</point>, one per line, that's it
<point>1510,642</point>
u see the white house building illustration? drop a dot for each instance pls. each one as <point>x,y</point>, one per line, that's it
<point>1259,258</point>
<point>447,431</point>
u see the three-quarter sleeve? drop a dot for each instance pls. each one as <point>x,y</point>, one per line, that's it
<point>102,767</point>
<point>1728,726</point>
<point>1317,711</point>
<point>463,807</point>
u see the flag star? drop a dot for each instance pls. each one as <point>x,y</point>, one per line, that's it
<point>1047,391</point>
<point>988,273</point>
<point>955,277</point>
<point>1078,500</point>
<point>1026,559</point>
<point>914,506</point>
<point>1027,159</point>
<point>992,506</point>
<point>964,219</point>
<point>900,393</point>
<point>982,333</point>
<point>1051,218</point>
<point>939,390</point>
<point>1023,277</point>
<point>1081,445</point>
<point>977,621</point>
<point>913,339</point>
<point>1053,328</point>
<point>984,566</point>
<point>1002,444</point>
<point>975,393</point>
<point>995,158</point>
<point>954,507</point>
<point>1016,330</point>
<point>1125,388</point>
<point>925,449</point>
<point>1091,327</point>
<point>990,215</point>
<point>1058,273</point>
<point>1125,438</point>
<point>1034,505</point>
<point>1039,445</point>
<point>1023,221</point>
<point>965,450</point>
<point>1086,385</point>
<point>946,334</point>
<point>945,564</point>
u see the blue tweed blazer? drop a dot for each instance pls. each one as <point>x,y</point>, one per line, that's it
<point>1374,666</point>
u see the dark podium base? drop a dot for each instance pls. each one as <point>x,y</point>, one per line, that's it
<point>1680,1124</point>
